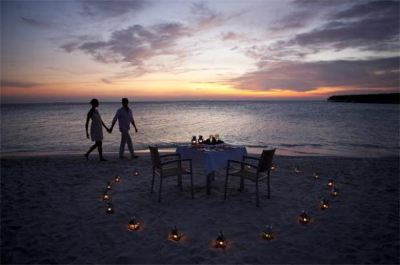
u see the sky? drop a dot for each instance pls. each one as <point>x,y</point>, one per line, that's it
<point>76,50</point>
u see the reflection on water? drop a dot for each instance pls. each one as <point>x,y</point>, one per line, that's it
<point>299,127</point>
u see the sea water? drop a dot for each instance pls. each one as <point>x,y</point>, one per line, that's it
<point>293,127</point>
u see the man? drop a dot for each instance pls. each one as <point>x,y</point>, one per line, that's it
<point>124,117</point>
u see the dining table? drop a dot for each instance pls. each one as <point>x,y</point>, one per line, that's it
<point>211,158</point>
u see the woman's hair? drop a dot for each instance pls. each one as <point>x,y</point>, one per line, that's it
<point>94,102</point>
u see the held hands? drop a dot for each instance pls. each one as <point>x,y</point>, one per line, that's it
<point>109,130</point>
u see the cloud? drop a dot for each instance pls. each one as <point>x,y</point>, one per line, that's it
<point>18,84</point>
<point>305,12</point>
<point>228,36</point>
<point>133,45</point>
<point>306,76</point>
<point>136,46</point>
<point>370,26</point>
<point>205,16</point>
<point>367,26</point>
<point>320,4</point>
<point>294,20</point>
<point>106,81</point>
<point>370,9</point>
<point>367,34</point>
<point>111,8</point>
<point>70,46</point>
<point>278,51</point>
<point>36,22</point>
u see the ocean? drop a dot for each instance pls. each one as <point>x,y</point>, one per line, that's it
<point>293,127</point>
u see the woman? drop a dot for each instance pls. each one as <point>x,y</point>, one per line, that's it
<point>96,130</point>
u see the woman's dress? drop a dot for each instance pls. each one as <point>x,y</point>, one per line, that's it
<point>96,129</point>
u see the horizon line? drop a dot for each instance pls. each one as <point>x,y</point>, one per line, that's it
<point>163,101</point>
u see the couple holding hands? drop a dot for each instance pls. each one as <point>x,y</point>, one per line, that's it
<point>124,117</point>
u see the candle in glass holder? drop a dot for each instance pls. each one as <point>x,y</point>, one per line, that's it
<point>331,183</point>
<point>117,178</point>
<point>334,192</point>
<point>324,204</point>
<point>304,218</point>
<point>200,141</point>
<point>106,196</point>
<point>194,140</point>
<point>220,242</point>
<point>133,224</point>
<point>109,208</point>
<point>175,234</point>
<point>268,234</point>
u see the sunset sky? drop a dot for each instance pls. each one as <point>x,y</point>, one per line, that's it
<point>177,50</point>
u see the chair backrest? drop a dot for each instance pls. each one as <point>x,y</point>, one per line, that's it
<point>265,163</point>
<point>155,156</point>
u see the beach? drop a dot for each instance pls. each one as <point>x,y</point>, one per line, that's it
<point>52,212</point>
<point>312,84</point>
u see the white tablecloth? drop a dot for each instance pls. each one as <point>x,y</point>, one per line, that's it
<point>212,158</point>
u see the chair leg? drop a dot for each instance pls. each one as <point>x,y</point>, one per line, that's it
<point>226,186</point>
<point>241,188</point>
<point>208,184</point>
<point>159,191</point>
<point>257,196</point>
<point>180,182</point>
<point>152,182</point>
<point>191,184</point>
<point>269,187</point>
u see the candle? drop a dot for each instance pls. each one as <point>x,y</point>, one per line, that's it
<point>200,141</point>
<point>268,234</point>
<point>304,218</point>
<point>331,183</point>
<point>194,140</point>
<point>106,197</point>
<point>175,234</point>
<point>220,242</point>
<point>324,204</point>
<point>334,192</point>
<point>133,224</point>
<point>109,208</point>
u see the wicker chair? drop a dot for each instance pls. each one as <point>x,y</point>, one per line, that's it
<point>251,171</point>
<point>165,169</point>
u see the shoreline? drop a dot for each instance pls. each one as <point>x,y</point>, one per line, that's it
<point>141,152</point>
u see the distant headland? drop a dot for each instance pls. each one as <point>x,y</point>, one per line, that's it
<point>389,98</point>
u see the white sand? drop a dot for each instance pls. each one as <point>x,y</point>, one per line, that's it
<point>51,212</point>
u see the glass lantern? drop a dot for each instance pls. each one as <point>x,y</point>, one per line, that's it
<point>220,242</point>
<point>194,140</point>
<point>304,218</point>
